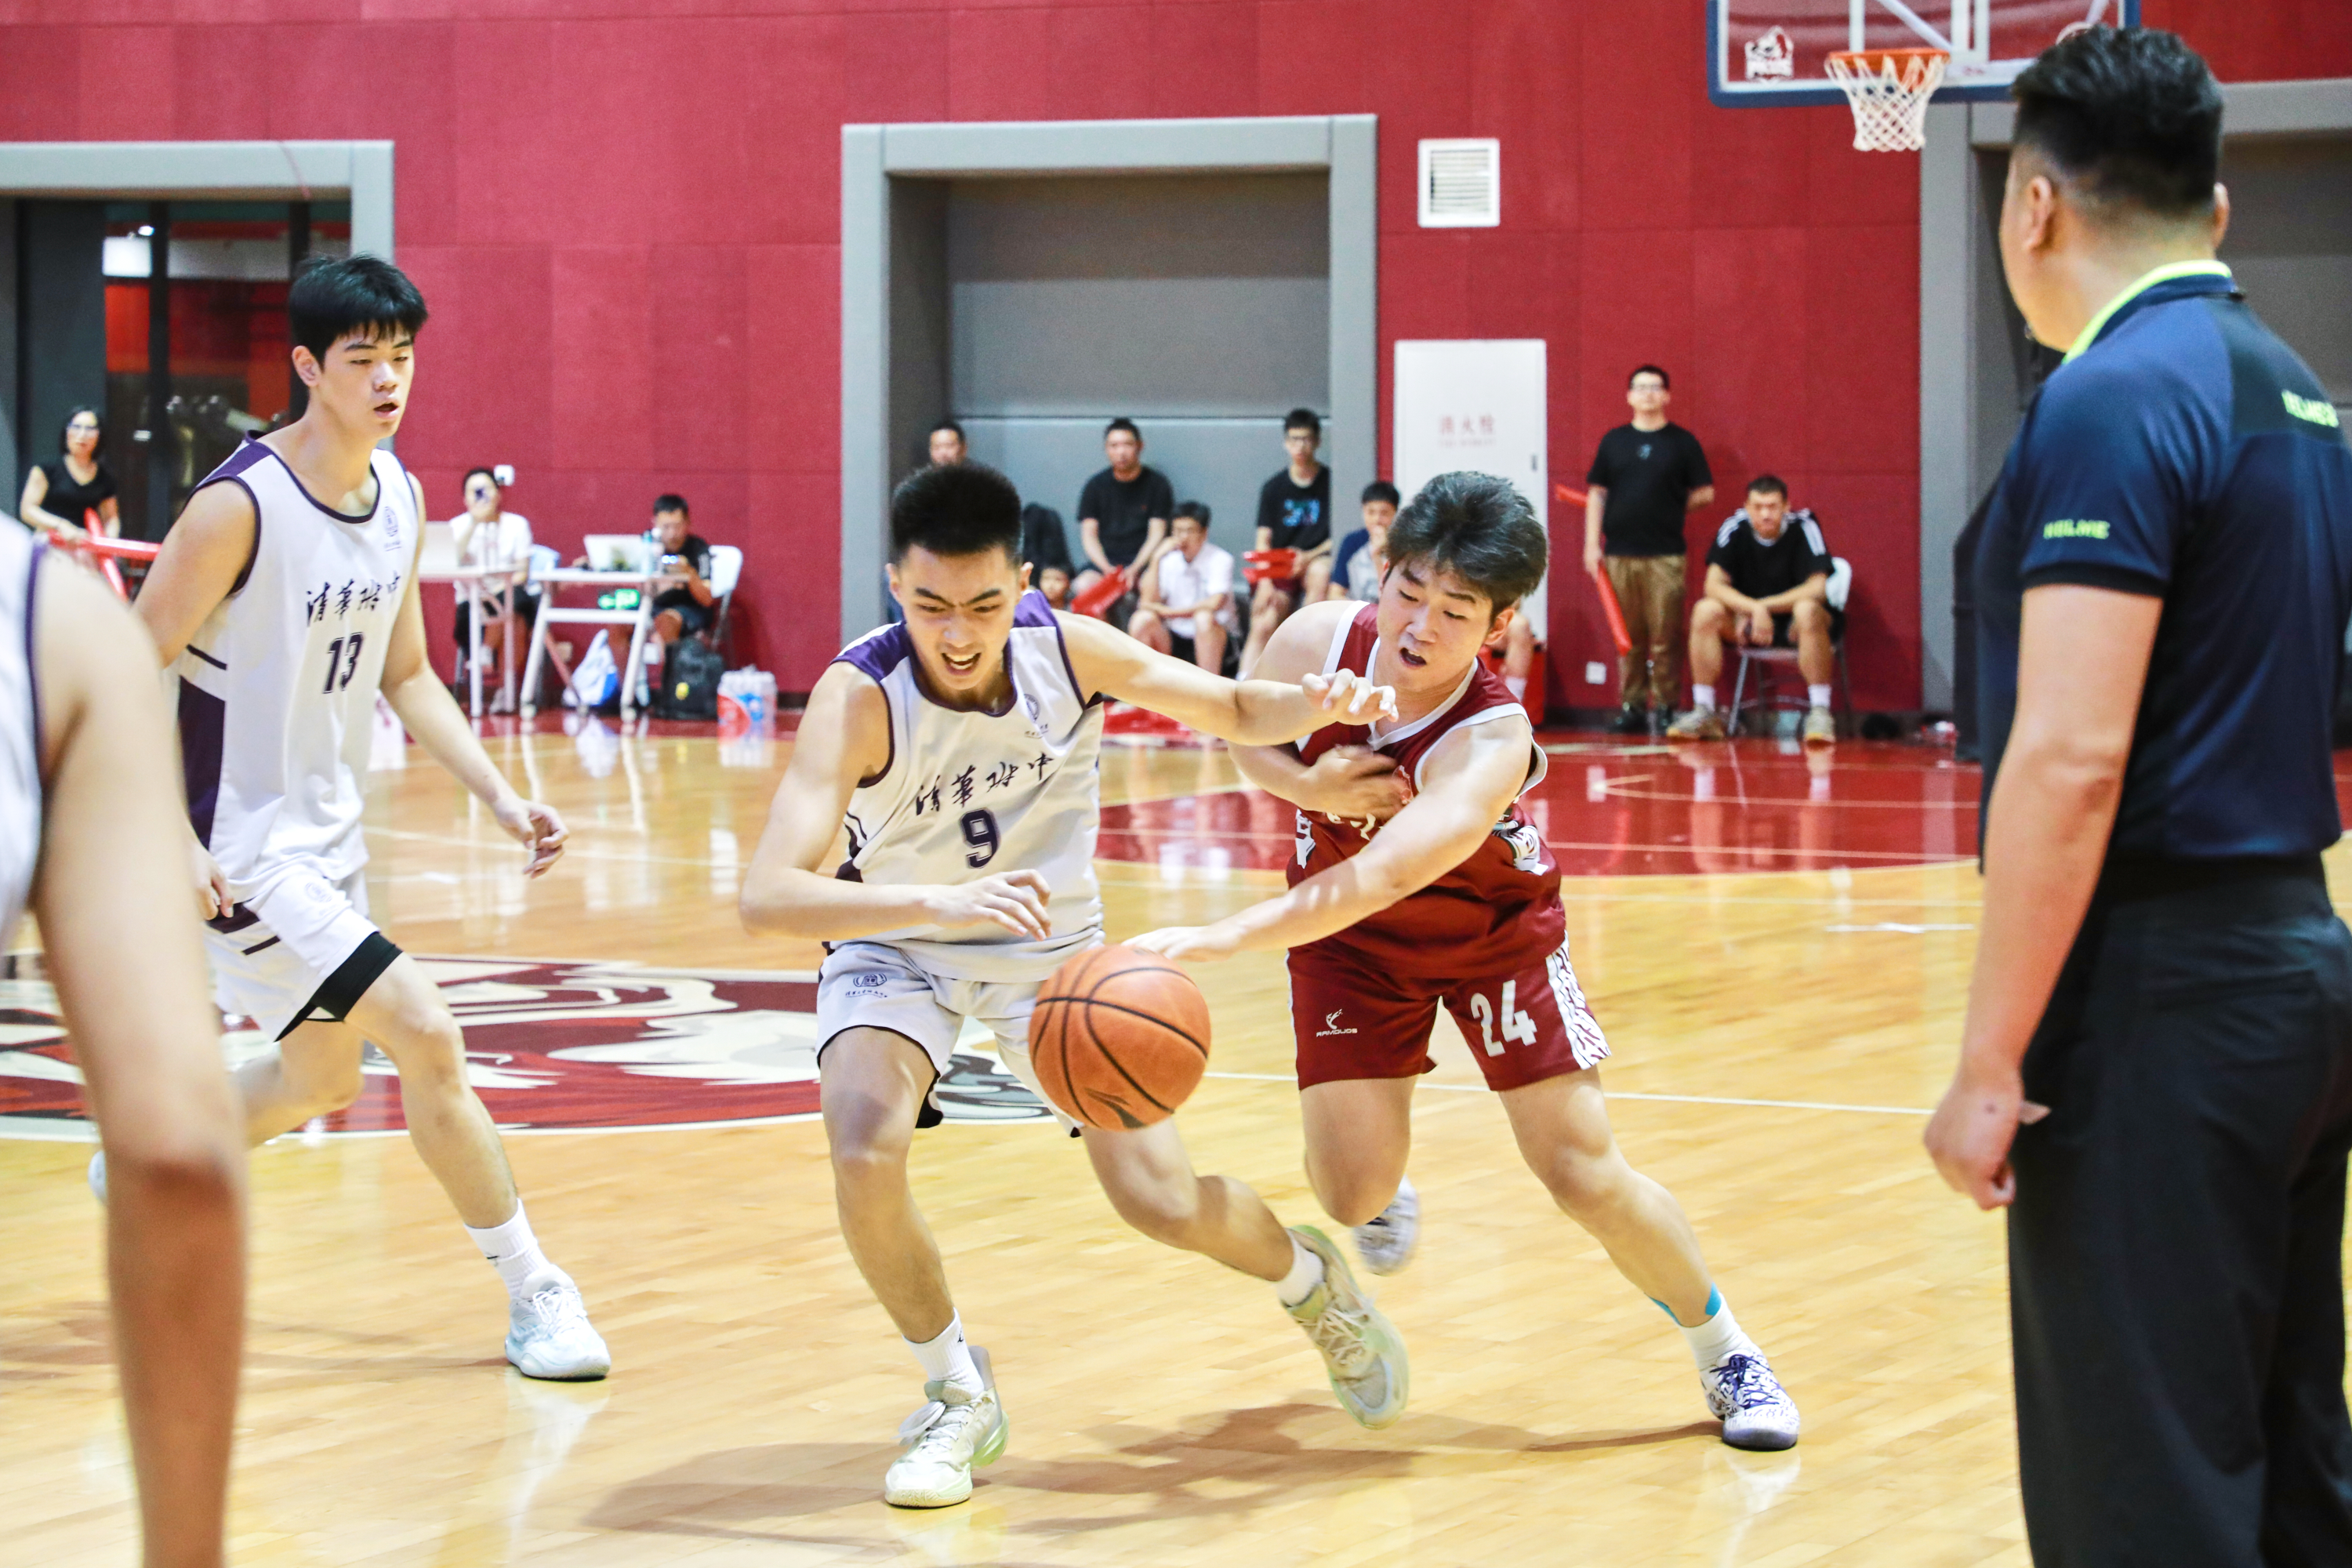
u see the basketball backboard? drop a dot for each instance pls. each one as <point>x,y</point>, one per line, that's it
<point>1762,53</point>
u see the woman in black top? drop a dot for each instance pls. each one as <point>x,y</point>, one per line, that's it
<point>59,496</point>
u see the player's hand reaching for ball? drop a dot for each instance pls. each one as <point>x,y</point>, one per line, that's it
<point>536,827</point>
<point>1356,784</point>
<point>1189,944</point>
<point>1014,900</point>
<point>1345,698</point>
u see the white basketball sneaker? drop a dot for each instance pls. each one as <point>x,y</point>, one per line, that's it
<point>98,1176</point>
<point>1756,1411</point>
<point>1385,1242</point>
<point>944,1439</point>
<point>548,1336</point>
<point>1361,1349</point>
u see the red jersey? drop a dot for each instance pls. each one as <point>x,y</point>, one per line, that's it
<point>1499,911</point>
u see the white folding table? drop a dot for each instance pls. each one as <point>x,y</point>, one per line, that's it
<point>469,581</point>
<point>550,614</point>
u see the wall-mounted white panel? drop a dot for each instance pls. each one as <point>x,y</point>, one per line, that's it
<point>1479,403</point>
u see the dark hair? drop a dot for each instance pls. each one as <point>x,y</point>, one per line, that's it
<point>1476,527</point>
<point>667,502</point>
<point>2127,114</point>
<point>1380,489</point>
<point>1198,510</point>
<point>75,412</point>
<point>950,427</point>
<point>490,474</point>
<point>1123,422</point>
<point>1666,381</point>
<point>959,509</point>
<point>1769,485</point>
<point>333,296</point>
<point>1303,419</point>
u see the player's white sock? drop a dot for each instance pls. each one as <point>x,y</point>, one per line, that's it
<point>1714,1339</point>
<point>1702,698</point>
<point>1306,1273</point>
<point>514,1253</point>
<point>1818,696</point>
<point>947,1359</point>
<point>1517,685</point>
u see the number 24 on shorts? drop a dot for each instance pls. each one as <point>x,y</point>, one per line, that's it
<point>1516,1026</point>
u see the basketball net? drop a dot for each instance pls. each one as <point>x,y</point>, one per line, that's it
<point>1889,90</point>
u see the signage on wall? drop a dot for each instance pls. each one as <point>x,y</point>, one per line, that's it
<point>1475,403</point>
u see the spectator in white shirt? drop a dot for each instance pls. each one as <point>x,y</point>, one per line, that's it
<point>488,535</point>
<point>1187,604</point>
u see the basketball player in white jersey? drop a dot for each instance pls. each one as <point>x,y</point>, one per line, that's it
<point>283,601</point>
<point>90,835</point>
<point>958,752</point>
<point>1440,889</point>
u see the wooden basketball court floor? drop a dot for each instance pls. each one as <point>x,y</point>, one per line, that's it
<point>1777,949</point>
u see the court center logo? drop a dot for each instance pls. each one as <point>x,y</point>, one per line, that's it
<point>551,1048</point>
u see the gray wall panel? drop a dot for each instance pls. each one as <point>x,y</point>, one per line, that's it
<point>1106,146</point>
<point>2290,243</point>
<point>1352,435</point>
<point>11,475</point>
<point>918,318</point>
<point>61,320</point>
<point>864,386</point>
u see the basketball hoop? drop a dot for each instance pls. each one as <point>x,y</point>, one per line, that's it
<point>1889,90</point>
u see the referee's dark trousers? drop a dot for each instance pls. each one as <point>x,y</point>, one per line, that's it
<point>2176,1247</point>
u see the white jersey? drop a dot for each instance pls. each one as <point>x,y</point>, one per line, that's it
<point>20,728</point>
<point>276,690</point>
<point>967,794</point>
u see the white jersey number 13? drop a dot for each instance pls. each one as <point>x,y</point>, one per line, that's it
<point>1516,1026</point>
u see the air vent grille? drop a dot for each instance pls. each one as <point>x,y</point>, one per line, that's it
<point>1461,183</point>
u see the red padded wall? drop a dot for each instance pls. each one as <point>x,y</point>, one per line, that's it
<point>627,226</point>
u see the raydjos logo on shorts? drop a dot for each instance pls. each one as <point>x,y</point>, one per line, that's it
<point>559,1047</point>
<point>1331,1025</point>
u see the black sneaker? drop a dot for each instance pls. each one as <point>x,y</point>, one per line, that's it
<point>1630,721</point>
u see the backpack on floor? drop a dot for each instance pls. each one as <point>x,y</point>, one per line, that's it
<point>690,685</point>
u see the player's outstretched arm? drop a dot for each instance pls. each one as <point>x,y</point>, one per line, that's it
<point>1469,781</point>
<point>1250,712</point>
<point>122,948</point>
<point>440,726</point>
<point>845,738</point>
<point>1353,782</point>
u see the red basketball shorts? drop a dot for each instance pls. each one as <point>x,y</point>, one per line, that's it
<point>1354,1020</point>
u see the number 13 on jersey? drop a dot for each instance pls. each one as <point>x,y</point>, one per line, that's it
<point>1516,1024</point>
<point>336,652</point>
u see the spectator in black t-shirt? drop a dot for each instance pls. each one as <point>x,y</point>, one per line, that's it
<point>59,496</point>
<point>1646,476</point>
<point>1768,580</point>
<point>685,608</point>
<point>1123,516</point>
<point>1294,512</point>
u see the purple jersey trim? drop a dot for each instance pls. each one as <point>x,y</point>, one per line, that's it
<point>205,656</point>
<point>231,467</point>
<point>203,720</point>
<point>1033,610</point>
<point>875,656</point>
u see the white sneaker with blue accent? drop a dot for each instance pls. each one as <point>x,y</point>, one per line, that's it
<point>1756,1411</point>
<point>1386,1241</point>
<point>548,1336</point>
<point>950,1433</point>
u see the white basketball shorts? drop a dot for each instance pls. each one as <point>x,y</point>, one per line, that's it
<point>873,985</point>
<point>304,949</point>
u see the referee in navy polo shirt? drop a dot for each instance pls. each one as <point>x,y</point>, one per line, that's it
<point>2156,1073</point>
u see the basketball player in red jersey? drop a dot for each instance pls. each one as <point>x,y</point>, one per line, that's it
<point>1426,883</point>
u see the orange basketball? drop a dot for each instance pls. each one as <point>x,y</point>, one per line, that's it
<point>1119,1039</point>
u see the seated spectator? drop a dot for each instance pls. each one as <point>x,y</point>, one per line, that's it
<point>1294,512</point>
<point>1043,542</point>
<point>1122,516</point>
<point>946,444</point>
<point>488,535</point>
<point>1357,573</point>
<point>61,498</point>
<point>1768,580</point>
<point>685,607</point>
<point>1054,581</point>
<point>1187,604</point>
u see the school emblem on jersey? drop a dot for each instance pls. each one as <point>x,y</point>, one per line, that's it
<point>551,1047</point>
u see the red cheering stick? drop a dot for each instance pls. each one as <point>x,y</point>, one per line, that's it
<point>1262,566</point>
<point>1611,610</point>
<point>1101,596</point>
<point>101,552</point>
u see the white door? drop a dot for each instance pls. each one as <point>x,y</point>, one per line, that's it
<point>1474,403</point>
